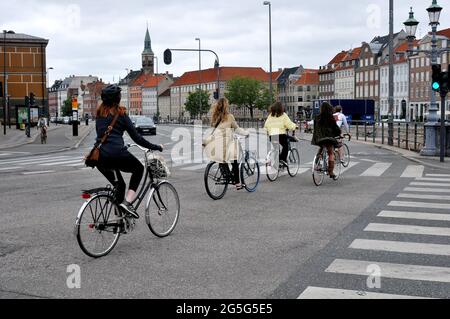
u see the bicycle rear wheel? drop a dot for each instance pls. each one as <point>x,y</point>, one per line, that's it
<point>346,159</point>
<point>163,210</point>
<point>216,181</point>
<point>293,162</point>
<point>318,170</point>
<point>273,165</point>
<point>250,174</point>
<point>99,226</point>
<point>338,165</point>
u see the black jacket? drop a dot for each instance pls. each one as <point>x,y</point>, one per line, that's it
<point>325,134</point>
<point>115,145</point>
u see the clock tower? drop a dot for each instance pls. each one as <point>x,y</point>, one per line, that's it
<point>148,57</point>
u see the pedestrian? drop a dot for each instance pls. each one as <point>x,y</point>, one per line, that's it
<point>325,133</point>
<point>220,146</point>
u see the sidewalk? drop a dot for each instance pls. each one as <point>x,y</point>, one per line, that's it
<point>59,137</point>
<point>433,162</point>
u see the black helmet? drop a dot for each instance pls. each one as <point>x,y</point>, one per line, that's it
<point>111,94</point>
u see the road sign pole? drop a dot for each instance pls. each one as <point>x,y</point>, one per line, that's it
<point>75,116</point>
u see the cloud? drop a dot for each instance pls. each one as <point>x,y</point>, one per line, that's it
<point>104,38</point>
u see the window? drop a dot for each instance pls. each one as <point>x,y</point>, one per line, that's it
<point>371,61</point>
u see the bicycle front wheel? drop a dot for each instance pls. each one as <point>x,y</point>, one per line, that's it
<point>250,174</point>
<point>98,226</point>
<point>293,162</point>
<point>318,170</point>
<point>346,159</point>
<point>163,210</point>
<point>216,181</point>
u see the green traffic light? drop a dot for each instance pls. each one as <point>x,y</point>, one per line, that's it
<point>436,86</point>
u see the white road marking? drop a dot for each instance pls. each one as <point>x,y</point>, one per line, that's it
<point>9,168</point>
<point>432,179</point>
<point>427,190</point>
<point>420,196</point>
<point>350,166</point>
<point>377,169</point>
<point>330,293</point>
<point>419,205</point>
<point>413,171</point>
<point>60,163</point>
<point>401,247</point>
<point>438,175</point>
<point>38,173</point>
<point>31,161</point>
<point>430,184</point>
<point>388,270</point>
<point>195,168</point>
<point>408,229</point>
<point>414,215</point>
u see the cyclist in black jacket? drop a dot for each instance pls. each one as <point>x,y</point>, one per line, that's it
<point>114,155</point>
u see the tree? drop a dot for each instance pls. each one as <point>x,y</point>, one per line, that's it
<point>67,107</point>
<point>193,103</point>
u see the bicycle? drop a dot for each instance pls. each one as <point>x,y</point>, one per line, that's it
<point>273,166</point>
<point>100,221</point>
<point>219,176</point>
<point>345,161</point>
<point>320,166</point>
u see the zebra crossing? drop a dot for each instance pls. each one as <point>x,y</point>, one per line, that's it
<point>419,217</point>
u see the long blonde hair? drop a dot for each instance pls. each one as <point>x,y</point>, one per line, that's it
<point>220,111</point>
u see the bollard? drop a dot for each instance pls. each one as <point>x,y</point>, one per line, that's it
<point>407,136</point>
<point>373,133</point>
<point>357,131</point>
<point>382,133</point>
<point>365,131</point>
<point>415,136</point>
<point>399,139</point>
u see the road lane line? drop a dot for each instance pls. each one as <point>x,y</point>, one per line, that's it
<point>38,173</point>
<point>421,196</point>
<point>408,229</point>
<point>401,247</point>
<point>432,179</point>
<point>33,160</point>
<point>60,163</point>
<point>427,190</point>
<point>377,169</point>
<point>9,168</point>
<point>413,171</point>
<point>330,293</point>
<point>438,175</point>
<point>350,166</point>
<point>419,205</point>
<point>430,184</point>
<point>195,168</point>
<point>394,271</point>
<point>414,215</point>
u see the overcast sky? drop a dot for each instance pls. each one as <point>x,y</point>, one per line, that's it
<point>104,38</point>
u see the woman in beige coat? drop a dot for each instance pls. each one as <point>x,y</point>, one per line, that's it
<point>221,146</point>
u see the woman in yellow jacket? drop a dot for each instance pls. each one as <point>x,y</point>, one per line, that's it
<point>277,125</point>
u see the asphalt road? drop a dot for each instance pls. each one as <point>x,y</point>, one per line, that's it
<point>279,242</point>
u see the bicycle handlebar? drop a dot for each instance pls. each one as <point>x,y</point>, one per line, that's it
<point>143,149</point>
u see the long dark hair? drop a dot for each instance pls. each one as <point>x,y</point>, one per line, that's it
<point>277,109</point>
<point>326,117</point>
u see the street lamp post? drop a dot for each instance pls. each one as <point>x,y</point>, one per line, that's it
<point>431,126</point>
<point>199,71</point>
<point>5,92</point>
<point>268,3</point>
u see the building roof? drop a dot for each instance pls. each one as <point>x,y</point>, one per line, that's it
<point>338,58</point>
<point>276,74</point>
<point>153,81</point>
<point>286,73</point>
<point>309,78</point>
<point>131,76</point>
<point>226,74</point>
<point>445,33</point>
<point>20,37</point>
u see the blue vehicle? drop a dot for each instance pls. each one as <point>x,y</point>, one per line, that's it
<point>354,110</point>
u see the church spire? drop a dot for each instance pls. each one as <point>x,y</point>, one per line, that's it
<point>148,57</point>
<point>148,43</point>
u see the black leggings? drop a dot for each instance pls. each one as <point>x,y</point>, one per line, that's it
<point>283,140</point>
<point>235,173</point>
<point>112,167</point>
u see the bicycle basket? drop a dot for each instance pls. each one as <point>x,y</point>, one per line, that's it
<point>158,166</point>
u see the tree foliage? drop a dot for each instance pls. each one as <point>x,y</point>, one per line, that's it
<point>198,103</point>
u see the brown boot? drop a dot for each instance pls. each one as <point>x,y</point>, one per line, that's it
<point>331,166</point>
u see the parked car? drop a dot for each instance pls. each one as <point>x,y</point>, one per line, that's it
<point>66,120</point>
<point>145,125</point>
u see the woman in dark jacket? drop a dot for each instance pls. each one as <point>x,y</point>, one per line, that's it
<point>114,155</point>
<point>325,132</point>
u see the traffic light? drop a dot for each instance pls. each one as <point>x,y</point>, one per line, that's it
<point>436,76</point>
<point>1,89</point>
<point>168,57</point>
<point>32,99</point>
<point>444,85</point>
<point>27,101</point>
<point>216,94</point>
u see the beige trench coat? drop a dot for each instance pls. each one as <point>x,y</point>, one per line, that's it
<point>221,147</point>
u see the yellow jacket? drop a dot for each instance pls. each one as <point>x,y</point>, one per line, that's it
<point>279,125</point>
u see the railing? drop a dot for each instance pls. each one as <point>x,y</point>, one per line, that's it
<point>406,135</point>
